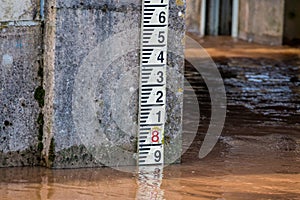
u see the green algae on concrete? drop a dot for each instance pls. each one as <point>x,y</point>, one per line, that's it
<point>51,154</point>
<point>39,95</point>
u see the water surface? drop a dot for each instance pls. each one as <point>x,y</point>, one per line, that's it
<point>257,157</point>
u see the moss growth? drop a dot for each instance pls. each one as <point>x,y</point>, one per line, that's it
<point>40,135</point>
<point>39,95</point>
<point>179,3</point>
<point>3,25</point>
<point>167,139</point>
<point>104,8</point>
<point>27,157</point>
<point>40,122</point>
<point>41,70</point>
<point>51,155</point>
<point>135,146</point>
<point>40,147</point>
<point>40,119</point>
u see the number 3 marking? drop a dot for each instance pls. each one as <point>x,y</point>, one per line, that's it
<point>161,77</point>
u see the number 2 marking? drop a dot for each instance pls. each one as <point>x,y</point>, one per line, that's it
<point>159,99</point>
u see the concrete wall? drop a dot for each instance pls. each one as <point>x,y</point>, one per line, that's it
<point>47,72</point>
<point>91,113</point>
<point>21,95</point>
<point>261,21</point>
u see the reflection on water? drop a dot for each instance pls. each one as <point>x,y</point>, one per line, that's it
<point>149,183</point>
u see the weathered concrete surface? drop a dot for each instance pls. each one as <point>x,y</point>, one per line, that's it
<point>75,32</point>
<point>14,10</point>
<point>261,21</point>
<point>20,67</point>
<point>193,17</point>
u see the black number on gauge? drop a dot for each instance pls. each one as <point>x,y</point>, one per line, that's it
<point>157,156</point>
<point>160,96</point>
<point>160,75</point>
<point>161,37</point>
<point>161,57</point>
<point>158,116</point>
<point>162,17</point>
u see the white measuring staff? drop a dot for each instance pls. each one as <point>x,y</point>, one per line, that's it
<point>152,97</point>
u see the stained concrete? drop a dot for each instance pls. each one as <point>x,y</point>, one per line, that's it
<point>20,67</point>
<point>19,10</point>
<point>91,102</point>
<point>261,21</point>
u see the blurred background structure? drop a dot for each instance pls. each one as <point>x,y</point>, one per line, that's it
<point>273,22</point>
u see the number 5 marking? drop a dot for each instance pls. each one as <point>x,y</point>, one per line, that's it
<point>161,37</point>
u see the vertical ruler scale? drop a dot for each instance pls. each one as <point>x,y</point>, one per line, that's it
<point>154,35</point>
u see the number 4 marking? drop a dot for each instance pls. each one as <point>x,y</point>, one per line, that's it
<point>161,57</point>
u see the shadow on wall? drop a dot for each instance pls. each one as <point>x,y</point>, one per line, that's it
<point>291,35</point>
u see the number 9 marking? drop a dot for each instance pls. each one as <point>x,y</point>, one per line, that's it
<point>157,156</point>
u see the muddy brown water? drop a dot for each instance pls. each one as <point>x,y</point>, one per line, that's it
<point>237,173</point>
<point>257,157</point>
